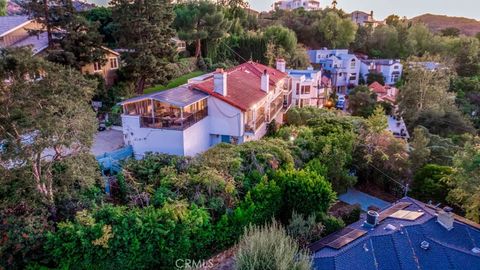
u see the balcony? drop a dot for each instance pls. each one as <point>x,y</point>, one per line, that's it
<point>171,122</point>
<point>254,125</point>
<point>276,106</point>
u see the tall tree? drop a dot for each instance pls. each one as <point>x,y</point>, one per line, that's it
<point>143,28</point>
<point>340,32</point>
<point>3,7</point>
<point>46,118</point>
<point>196,21</point>
<point>362,101</point>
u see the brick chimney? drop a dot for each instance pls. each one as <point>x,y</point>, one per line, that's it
<point>445,218</point>
<point>281,65</point>
<point>265,82</point>
<point>220,82</point>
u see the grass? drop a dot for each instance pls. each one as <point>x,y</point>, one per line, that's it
<point>174,83</point>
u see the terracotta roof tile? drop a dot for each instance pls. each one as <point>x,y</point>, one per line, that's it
<point>378,88</point>
<point>243,84</point>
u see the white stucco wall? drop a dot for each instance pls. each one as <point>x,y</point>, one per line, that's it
<point>224,118</point>
<point>196,139</point>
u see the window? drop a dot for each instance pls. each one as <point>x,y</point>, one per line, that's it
<point>353,76</point>
<point>353,63</point>
<point>396,67</point>
<point>306,89</point>
<point>113,63</point>
<point>97,66</point>
<point>298,89</point>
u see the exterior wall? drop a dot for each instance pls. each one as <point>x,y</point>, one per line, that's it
<point>108,72</point>
<point>197,138</point>
<point>145,140</point>
<point>19,34</point>
<point>224,118</point>
<point>294,4</point>
<point>258,134</point>
<point>386,70</point>
<point>316,90</point>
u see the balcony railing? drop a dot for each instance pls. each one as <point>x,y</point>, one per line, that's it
<point>173,123</point>
<point>255,124</point>
<point>276,106</point>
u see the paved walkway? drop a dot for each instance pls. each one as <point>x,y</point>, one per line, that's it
<point>107,141</point>
<point>354,196</point>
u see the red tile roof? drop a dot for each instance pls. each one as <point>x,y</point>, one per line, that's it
<point>378,88</point>
<point>243,84</point>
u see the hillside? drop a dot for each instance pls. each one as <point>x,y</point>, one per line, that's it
<point>438,22</point>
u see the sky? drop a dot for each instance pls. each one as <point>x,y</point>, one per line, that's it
<point>409,8</point>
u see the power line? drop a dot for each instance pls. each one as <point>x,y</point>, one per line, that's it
<point>228,47</point>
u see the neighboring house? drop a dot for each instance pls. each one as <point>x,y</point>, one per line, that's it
<point>431,66</point>
<point>407,235</point>
<point>294,4</point>
<point>108,70</point>
<point>308,88</point>
<point>179,44</point>
<point>397,126</point>
<point>390,69</point>
<point>231,106</point>
<point>364,19</point>
<point>340,66</point>
<point>14,32</point>
<point>384,93</point>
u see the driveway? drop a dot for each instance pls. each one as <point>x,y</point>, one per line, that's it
<point>107,141</point>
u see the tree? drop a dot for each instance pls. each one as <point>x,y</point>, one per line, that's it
<point>281,37</point>
<point>197,21</point>
<point>3,7</point>
<point>445,123</point>
<point>375,77</point>
<point>465,179</point>
<point>429,183</point>
<point>450,32</point>
<point>362,101</point>
<point>392,20</point>
<point>338,32</point>
<point>467,56</point>
<point>46,119</point>
<point>103,16</point>
<point>147,56</point>
<point>419,153</point>
<point>269,247</point>
<point>419,39</point>
<point>362,39</point>
<point>385,42</point>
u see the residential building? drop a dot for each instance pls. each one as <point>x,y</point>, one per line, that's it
<point>384,93</point>
<point>390,69</point>
<point>14,32</point>
<point>397,126</point>
<point>407,235</point>
<point>232,106</point>
<point>179,44</point>
<point>431,66</point>
<point>308,87</point>
<point>294,4</point>
<point>339,65</point>
<point>364,19</point>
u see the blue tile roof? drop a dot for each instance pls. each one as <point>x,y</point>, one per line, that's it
<point>400,249</point>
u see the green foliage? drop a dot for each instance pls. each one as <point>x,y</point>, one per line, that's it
<point>331,224</point>
<point>116,237</point>
<point>175,82</point>
<point>3,7</point>
<point>362,101</point>
<point>467,91</point>
<point>103,15</point>
<point>352,215</point>
<point>375,77</point>
<point>429,183</point>
<point>450,32</point>
<point>304,230</point>
<point>270,247</point>
<point>339,32</point>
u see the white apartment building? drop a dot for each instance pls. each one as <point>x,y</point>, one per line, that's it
<point>390,69</point>
<point>308,88</point>
<point>231,106</point>
<point>294,4</point>
<point>339,65</point>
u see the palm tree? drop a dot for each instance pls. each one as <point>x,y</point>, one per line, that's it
<point>334,4</point>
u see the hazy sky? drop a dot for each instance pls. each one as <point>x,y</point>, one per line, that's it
<point>409,8</point>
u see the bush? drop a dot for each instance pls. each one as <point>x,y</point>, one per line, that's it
<point>331,224</point>
<point>352,214</point>
<point>304,231</point>
<point>269,247</point>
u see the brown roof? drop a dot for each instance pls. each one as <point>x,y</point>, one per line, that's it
<point>243,84</point>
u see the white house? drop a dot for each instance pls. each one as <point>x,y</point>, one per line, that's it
<point>308,89</point>
<point>390,69</point>
<point>294,4</point>
<point>339,65</point>
<point>231,106</point>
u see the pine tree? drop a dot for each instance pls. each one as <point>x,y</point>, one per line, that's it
<point>144,30</point>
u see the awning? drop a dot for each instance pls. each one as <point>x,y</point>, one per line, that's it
<point>180,96</point>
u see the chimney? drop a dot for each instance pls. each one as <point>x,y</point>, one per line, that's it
<point>371,13</point>
<point>220,82</point>
<point>281,65</point>
<point>445,218</point>
<point>265,82</point>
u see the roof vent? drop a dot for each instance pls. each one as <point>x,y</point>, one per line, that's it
<point>390,228</point>
<point>476,250</point>
<point>445,217</point>
<point>425,245</point>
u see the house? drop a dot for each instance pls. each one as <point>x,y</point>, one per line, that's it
<point>390,69</point>
<point>295,4</point>
<point>339,65</point>
<point>14,32</point>
<point>308,87</point>
<point>364,19</point>
<point>407,235</point>
<point>232,106</point>
<point>397,126</point>
<point>384,93</point>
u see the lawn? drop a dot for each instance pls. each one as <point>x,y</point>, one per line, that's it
<point>174,83</point>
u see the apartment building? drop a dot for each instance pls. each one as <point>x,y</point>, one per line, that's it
<point>390,69</point>
<point>232,106</point>
<point>295,4</point>
<point>308,87</point>
<point>364,19</point>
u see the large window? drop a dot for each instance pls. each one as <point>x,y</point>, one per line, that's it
<point>97,66</point>
<point>113,63</point>
<point>306,89</point>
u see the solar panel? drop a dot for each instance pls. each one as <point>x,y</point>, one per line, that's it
<point>394,208</point>
<point>406,215</point>
<point>346,239</point>
<point>328,239</point>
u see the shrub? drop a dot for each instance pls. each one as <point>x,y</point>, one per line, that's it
<point>269,247</point>
<point>352,214</point>
<point>331,224</point>
<point>304,230</point>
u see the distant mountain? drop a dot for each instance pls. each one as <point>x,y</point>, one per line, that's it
<point>438,22</point>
